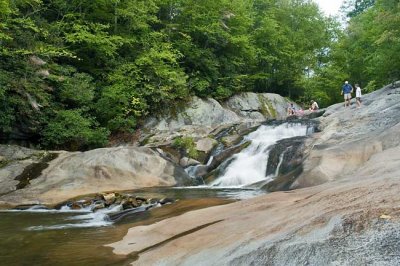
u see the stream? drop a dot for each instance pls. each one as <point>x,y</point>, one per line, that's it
<point>68,237</point>
<point>39,236</point>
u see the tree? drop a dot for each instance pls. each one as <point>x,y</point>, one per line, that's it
<point>111,63</point>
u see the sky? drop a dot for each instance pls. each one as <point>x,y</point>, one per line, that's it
<point>330,7</point>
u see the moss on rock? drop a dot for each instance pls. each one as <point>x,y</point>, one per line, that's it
<point>267,107</point>
<point>188,145</point>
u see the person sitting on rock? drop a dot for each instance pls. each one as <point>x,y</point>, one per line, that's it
<point>300,112</point>
<point>291,110</point>
<point>314,106</point>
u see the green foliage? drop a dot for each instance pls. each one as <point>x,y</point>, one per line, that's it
<point>118,108</point>
<point>87,37</point>
<point>149,84</point>
<point>187,144</point>
<point>77,90</point>
<point>368,54</point>
<point>104,66</point>
<point>69,129</point>
<point>371,86</point>
<point>214,39</point>
<point>324,87</point>
<point>356,7</point>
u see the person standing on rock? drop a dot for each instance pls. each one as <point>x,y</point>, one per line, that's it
<point>347,90</point>
<point>358,95</point>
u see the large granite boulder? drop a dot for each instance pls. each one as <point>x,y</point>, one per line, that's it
<point>259,106</point>
<point>78,173</point>
<point>200,112</point>
<point>211,114</point>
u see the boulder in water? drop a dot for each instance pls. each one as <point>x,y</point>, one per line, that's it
<point>127,204</point>
<point>166,201</point>
<point>75,206</point>
<point>98,206</point>
<point>140,200</point>
<point>205,144</point>
<point>109,198</point>
<point>283,181</point>
<point>185,162</point>
<point>285,156</point>
<point>152,201</point>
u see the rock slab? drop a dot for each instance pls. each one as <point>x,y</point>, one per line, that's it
<point>79,173</point>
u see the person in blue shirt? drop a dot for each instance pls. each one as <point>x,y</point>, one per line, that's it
<point>347,90</point>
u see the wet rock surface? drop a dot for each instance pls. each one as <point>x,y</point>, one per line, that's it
<point>285,163</point>
<point>123,204</point>
<point>285,156</point>
<point>347,212</point>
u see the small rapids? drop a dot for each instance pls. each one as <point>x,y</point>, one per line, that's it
<point>83,218</point>
<point>250,165</point>
<point>69,218</point>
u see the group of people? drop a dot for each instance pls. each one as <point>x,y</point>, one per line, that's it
<point>292,110</point>
<point>347,90</point>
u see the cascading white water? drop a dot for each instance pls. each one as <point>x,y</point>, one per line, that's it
<point>82,218</point>
<point>249,166</point>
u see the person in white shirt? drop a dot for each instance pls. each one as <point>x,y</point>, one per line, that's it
<point>314,106</point>
<point>358,95</point>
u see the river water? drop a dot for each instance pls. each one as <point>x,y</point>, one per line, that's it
<point>66,237</point>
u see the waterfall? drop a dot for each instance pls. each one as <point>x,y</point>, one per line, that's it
<point>250,165</point>
<point>279,163</point>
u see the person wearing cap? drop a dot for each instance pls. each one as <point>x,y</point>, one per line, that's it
<point>347,90</point>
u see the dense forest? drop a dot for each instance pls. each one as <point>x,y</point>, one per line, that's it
<point>74,73</point>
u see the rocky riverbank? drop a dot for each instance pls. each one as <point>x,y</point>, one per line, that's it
<point>350,215</point>
<point>168,144</point>
<point>72,174</point>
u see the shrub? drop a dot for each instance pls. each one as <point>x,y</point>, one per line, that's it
<point>70,130</point>
<point>188,145</point>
